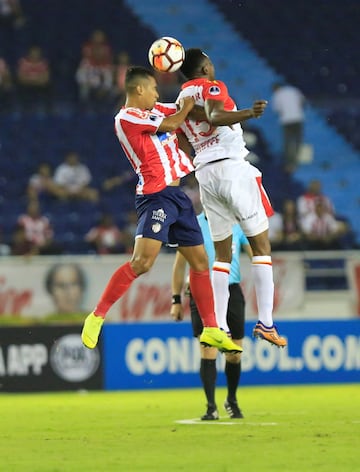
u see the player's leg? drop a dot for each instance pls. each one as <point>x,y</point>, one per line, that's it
<point>213,191</point>
<point>264,288</point>
<point>220,279</point>
<point>253,209</point>
<point>201,289</point>
<point>236,322</point>
<point>144,255</point>
<point>208,371</point>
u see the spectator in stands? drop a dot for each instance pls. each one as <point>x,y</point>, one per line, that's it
<point>5,249</point>
<point>20,245</point>
<point>116,181</point>
<point>130,231</point>
<point>106,237</point>
<point>293,238</point>
<point>66,284</point>
<point>276,231</point>
<point>11,14</point>
<point>6,86</point>
<point>95,74</point>
<point>97,46</point>
<point>38,231</point>
<point>42,183</point>
<point>121,66</point>
<point>306,203</point>
<point>322,230</point>
<point>74,178</point>
<point>34,80</point>
<point>288,102</point>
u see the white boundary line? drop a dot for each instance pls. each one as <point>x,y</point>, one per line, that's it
<point>239,422</point>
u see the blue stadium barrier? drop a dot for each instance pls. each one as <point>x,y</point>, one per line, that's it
<point>153,356</point>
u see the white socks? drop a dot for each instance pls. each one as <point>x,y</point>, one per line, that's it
<point>220,282</point>
<point>264,288</point>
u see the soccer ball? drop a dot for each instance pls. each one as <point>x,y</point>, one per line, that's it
<point>166,54</point>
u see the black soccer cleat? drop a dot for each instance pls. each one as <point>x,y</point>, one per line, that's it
<point>232,409</point>
<point>211,414</point>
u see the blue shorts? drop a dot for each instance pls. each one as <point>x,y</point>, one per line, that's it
<point>168,216</point>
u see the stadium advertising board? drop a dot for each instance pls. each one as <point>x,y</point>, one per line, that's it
<point>45,287</point>
<point>149,356</point>
<point>47,359</point>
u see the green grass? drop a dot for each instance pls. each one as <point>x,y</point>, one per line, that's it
<point>310,428</point>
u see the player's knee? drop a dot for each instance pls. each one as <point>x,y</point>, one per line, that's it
<point>141,264</point>
<point>233,358</point>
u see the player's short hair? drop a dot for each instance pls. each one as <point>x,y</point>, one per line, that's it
<point>192,64</point>
<point>135,74</point>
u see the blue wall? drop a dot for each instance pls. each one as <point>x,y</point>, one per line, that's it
<point>150,356</point>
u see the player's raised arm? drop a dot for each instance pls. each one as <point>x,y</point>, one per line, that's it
<point>172,122</point>
<point>217,116</point>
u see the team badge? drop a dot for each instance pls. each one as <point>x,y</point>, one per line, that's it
<point>214,90</point>
<point>156,227</point>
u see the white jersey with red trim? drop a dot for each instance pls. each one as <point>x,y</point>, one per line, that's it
<point>155,156</point>
<point>210,142</point>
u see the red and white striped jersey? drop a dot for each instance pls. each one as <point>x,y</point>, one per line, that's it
<point>155,157</point>
<point>37,230</point>
<point>210,142</point>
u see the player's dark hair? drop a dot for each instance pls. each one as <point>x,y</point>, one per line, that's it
<point>193,62</point>
<point>135,74</point>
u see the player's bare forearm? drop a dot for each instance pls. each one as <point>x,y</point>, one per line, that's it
<point>172,122</point>
<point>217,116</point>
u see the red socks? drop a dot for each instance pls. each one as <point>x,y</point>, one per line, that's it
<point>202,292</point>
<point>120,281</point>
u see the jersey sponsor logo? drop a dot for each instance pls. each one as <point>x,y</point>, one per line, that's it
<point>138,113</point>
<point>156,227</point>
<point>159,215</point>
<point>153,117</point>
<point>214,90</point>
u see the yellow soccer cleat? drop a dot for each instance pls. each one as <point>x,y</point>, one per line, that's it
<point>216,337</point>
<point>269,334</point>
<point>91,330</point>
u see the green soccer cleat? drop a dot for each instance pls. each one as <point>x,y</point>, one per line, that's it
<point>216,337</point>
<point>91,330</point>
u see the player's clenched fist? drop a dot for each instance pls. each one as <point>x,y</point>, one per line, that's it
<point>259,107</point>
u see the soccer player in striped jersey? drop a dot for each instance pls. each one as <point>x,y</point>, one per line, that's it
<point>231,190</point>
<point>146,131</point>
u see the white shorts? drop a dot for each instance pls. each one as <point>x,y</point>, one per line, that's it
<point>231,192</point>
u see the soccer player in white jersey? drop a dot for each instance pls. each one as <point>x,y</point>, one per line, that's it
<point>146,131</point>
<point>231,190</point>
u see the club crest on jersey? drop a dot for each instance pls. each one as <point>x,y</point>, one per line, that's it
<point>156,227</point>
<point>159,215</point>
<point>214,90</point>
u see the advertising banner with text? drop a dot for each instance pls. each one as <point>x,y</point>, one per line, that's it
<point>49,358</point>
<point>44,287</point>
<point>167,356</point>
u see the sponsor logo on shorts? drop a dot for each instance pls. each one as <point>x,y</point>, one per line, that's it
<point>159,215</point>
<point>156,227</point>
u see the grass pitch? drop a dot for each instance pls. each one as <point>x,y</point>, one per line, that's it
<point>297,428</point>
